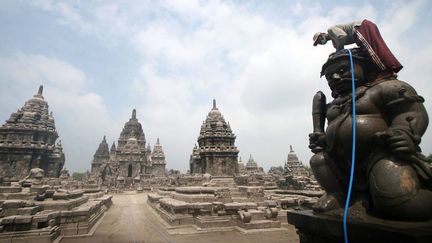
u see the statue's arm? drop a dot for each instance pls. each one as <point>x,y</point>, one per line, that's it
<point>319,110</point>
<point>407,117</point>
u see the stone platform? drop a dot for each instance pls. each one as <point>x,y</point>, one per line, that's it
<point>45,216</point>
<point>221,204</point>
<point>324,228</point>
<point>132,219</point>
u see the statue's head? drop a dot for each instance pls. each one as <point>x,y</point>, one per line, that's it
<point>337,71</point>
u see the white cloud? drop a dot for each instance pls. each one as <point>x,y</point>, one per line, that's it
<point>262,71</point>
<point>46,5</point>
<point>23,69</point>
<point>274,72</point>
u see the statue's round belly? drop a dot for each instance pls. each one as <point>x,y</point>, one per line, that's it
<point>367,127</point>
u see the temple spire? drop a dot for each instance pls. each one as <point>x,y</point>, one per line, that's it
<point>291,150</point>
<point>104,138</point>
<point>40,91</point>
<point>134,114</point>
<point>214,104</point>
<point>157,142</point>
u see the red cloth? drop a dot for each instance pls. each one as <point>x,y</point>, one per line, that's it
<point>369,37</point>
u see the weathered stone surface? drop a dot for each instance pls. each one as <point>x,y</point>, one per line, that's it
<point>23,219</point>
<point>28,140</point>
<point>251,165</point>
<point>296,175</point>
<point>38,189</point>
<point>325,228</point>
<point>8,189</point>
<point>7,220</point>
<point>391,175</point>
<point>29,210</point>
<point>130,162</point>
<point>216,153</point>
<point>158,161</point>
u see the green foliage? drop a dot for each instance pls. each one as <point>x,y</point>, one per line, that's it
<point>277,169</point>
<point>79,175</point>
<point>429,158</point>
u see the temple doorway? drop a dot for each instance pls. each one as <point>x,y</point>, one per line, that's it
<point>130,170</point>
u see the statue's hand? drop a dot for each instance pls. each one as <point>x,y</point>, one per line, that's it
<point>398,141</point>
<point>316,141</point>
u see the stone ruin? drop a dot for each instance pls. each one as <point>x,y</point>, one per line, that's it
<point>293,176</point>
<point>39,202</point>
<point>252,166</point>
<point>28,140</point>
<point>39,209</point>
<point>216,152</point>
<point>220,204</point>
<point>296,175</point>
<point>215,196</point>
<point>131,164</point>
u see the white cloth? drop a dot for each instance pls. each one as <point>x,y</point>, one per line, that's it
<point>343,34</point>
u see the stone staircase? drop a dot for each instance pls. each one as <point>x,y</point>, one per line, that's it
<point>210,221</point>
<point>237,196</point>
<point>229,182</point>
<point>258,221</point>
<point>261,224</point>
<point>222,182</point>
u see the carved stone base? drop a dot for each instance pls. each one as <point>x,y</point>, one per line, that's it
<point>322,228</point>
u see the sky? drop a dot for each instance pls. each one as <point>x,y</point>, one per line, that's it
<point>98,60</point>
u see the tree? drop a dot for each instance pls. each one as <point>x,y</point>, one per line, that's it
<point>79,176</point>
<point>308,168</point>
<point>276,170</point>
<point>429,158</point>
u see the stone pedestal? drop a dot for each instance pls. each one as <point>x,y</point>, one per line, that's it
<point>321,228</point>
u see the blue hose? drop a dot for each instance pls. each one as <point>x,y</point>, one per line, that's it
<point>354,122</point>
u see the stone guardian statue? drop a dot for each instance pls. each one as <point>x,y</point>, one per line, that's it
<point>391,177</point>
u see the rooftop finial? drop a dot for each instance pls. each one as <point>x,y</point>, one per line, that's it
<point>104,138</point>
<point>40,90</point>
<point>291,150</point>
<point>214,103</point>
<point>133,114</point>
<point>157,141</point>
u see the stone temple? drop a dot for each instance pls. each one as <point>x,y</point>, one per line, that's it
<point>158,162</point>
<point>251,165</point>
<point>131,152</point>
<point>293,165</point>
<point>296,175</point>
<point>101,164</point>
<point>130,161</point>
<point>28,140</point>
<point>216,152</point>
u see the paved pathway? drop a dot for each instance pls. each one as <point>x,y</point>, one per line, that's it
<point>130,219</point>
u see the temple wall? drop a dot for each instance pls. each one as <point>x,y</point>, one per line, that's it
<point>124,170</point>
<point>15,165</point>
<point>158,169</point>
<point>219,166</point>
